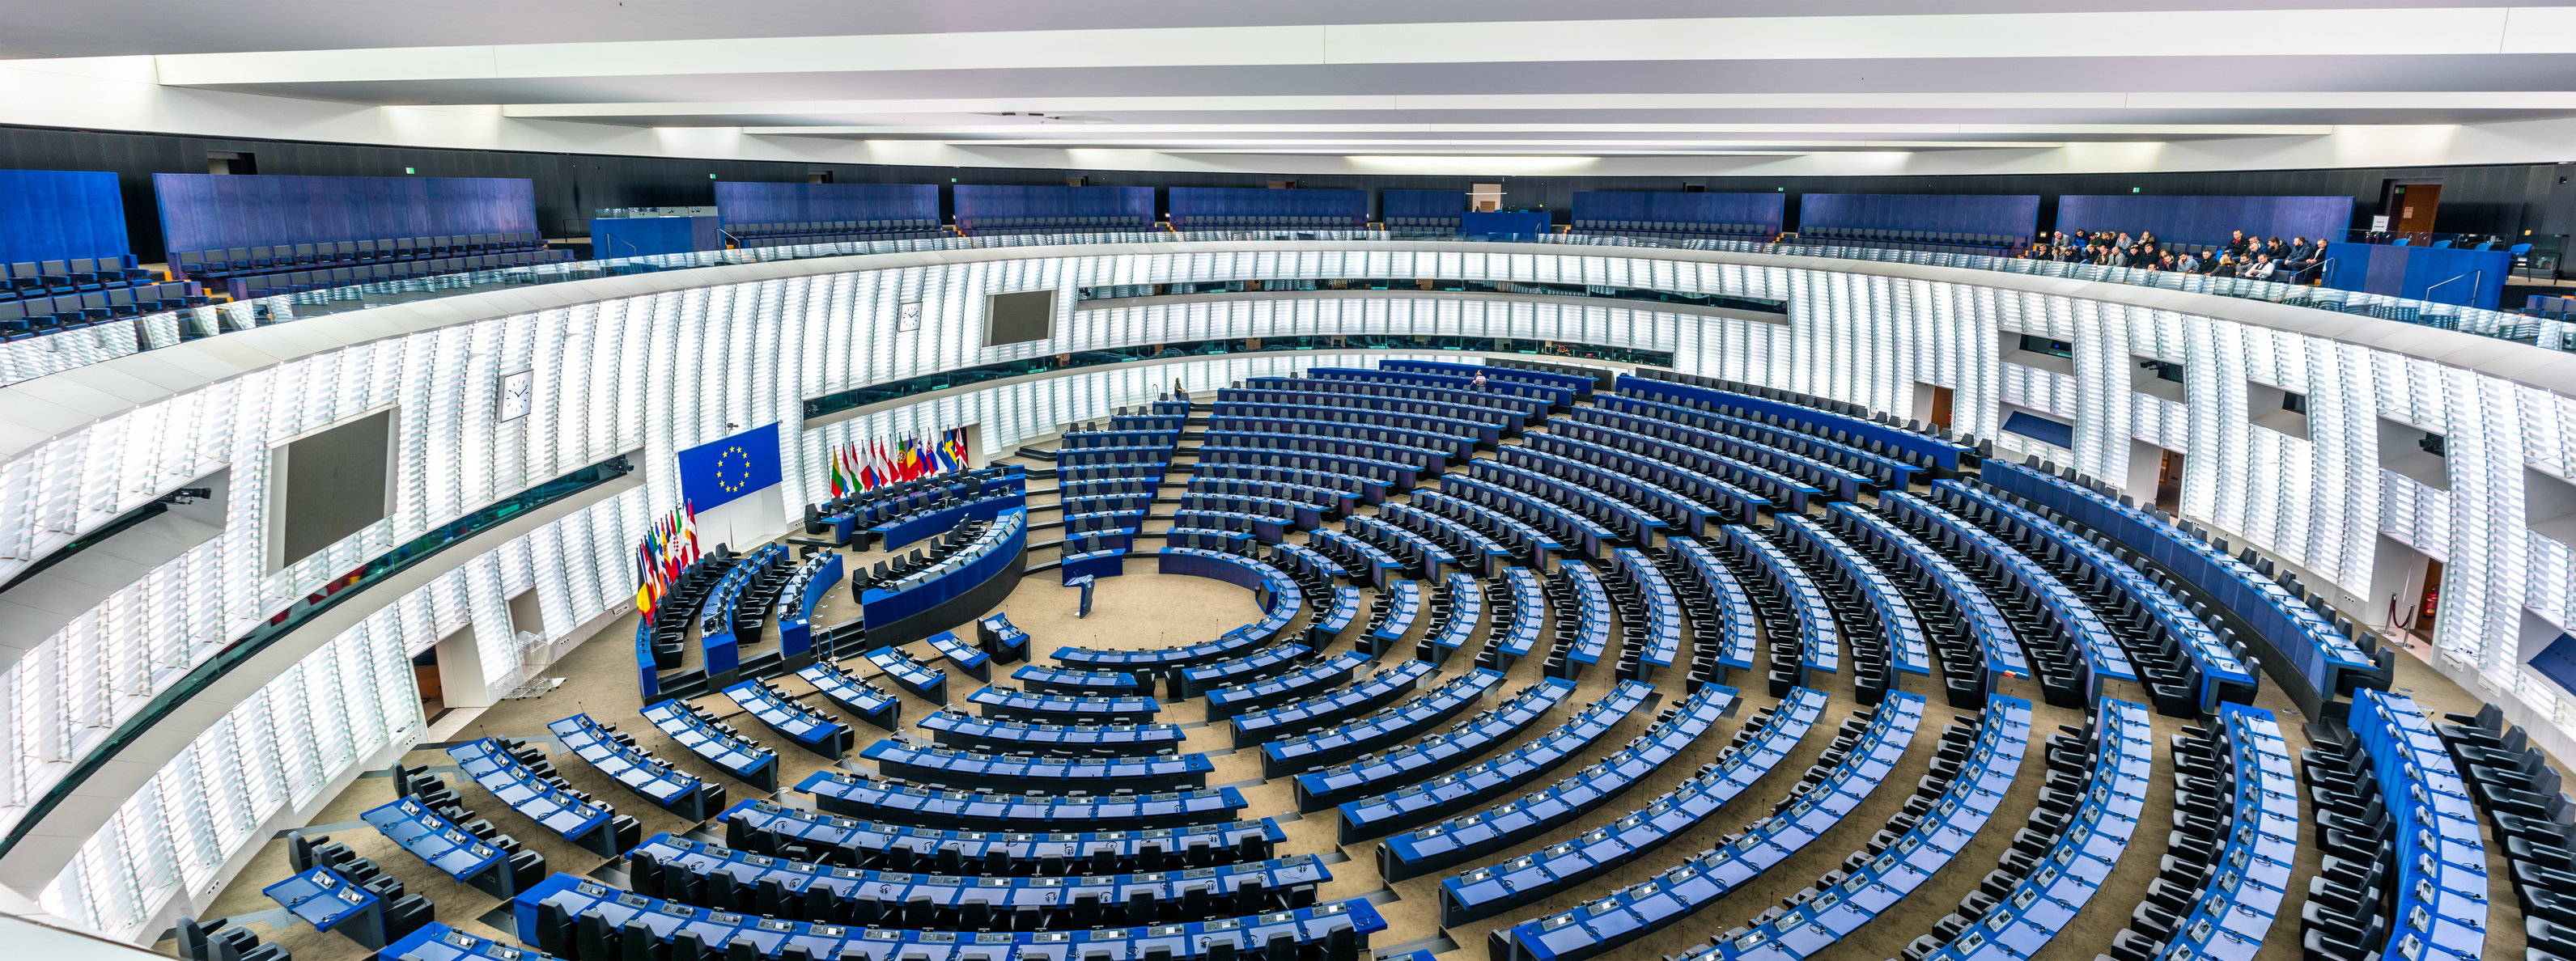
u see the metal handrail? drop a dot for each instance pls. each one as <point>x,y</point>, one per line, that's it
<point>2480,274</point>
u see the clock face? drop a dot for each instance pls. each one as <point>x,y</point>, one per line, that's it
<point>518,394</point>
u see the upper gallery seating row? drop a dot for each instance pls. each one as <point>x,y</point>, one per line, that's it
<point>233,262</point>
<point>36,316</point>
<point>1050,225</point>
<point>54,278</point>
<point>832,231</point>
<point>1675,229</point>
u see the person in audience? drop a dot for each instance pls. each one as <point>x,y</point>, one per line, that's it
<point>1478,383</point>
<point>2226,266</point>
<point>2165,261</point>
<point>2262,268</point>
<point>2275,249</point>
<point>2188,263</point>
<point>2236,245</point>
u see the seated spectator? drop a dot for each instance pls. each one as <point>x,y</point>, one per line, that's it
<point>2187,264</point>
<point>2236,245</point>
<point>2226,266</point>
<point>2262,268</point>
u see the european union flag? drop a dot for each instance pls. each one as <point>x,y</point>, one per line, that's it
<point>715,473</point>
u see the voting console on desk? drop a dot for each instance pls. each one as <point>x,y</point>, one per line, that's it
<point>997,636</point>
<point>438,942</point>
<point>433,839</point>
<point>322,898</point>
<point>862,699</point>
<point>975,663</point>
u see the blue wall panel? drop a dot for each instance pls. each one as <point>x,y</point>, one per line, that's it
<point>639,236</point>
<point>1685,208</point>
<point>2441,275</point>
<point>979,201</point>
<point>1504,222</point>
<point>2207,221</point>
<point>1262,202</point>
<point>2012,215</point>
<point>215,211</point>
<point>59,215</point>
<point>1421,203</point>
<point>767,203</point>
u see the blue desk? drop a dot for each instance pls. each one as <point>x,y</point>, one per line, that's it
<point>1353,488</point>
<point>1731,629</point>
<point>1702,880</point>
<point>1304,752</point>
<point>804,726</point>
<point>434,839</point>
<point>1002,639</point>
<point>582,822</point>
<point>1227,702</point>
<point>958,730</point>
<point>327,901</point>
<point>1564,527</point>
<point>636,769</point>
<point>866,842</point>
<point>1402,602</point>
<point>1940,453</point>
<point>1444,796</point>
<point>863,700</point>
<point>1057,680</point>
<point>1903,635</point>
<point>1465,596</point>
<point>1512,824</point>
<point>2237,908</point>
<point>1920,852</point>
<point>1682,486</point>
<point>2087,851</point>
<point>1628,433</point>
<point>1094,775</point>
<point>1591,618</point>
<point>1488,890</point>
<point>1997,649</point>
<point>1015,705</point>
<point>803,595</point>
<point>729,752</point>
<point>1483,555</point>
<point>925,682</point>
<point>1414,551</point>
<point>1528,608</point>
<point>1522,408</point>
<point>1820,643</point>
<point>1674,510</point>
<point>2305,640</point>
<point>570,896</point>
<point>1380,565</point>
<point>1330,707</point>
<point>1195,681</point>
<point>975,663</point>
<point>1660,632</point>
<point>1015,813</point>
<point>2440,855</point>
<point>1630,523</point>
<point>438,942</point>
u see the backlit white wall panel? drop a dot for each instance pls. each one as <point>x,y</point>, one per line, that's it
<point>666,370</point>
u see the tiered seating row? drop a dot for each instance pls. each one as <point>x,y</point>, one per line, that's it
<point>508,770</point>
<point>1650,614</point>
<point>769,828</point>
<point>1594,426</point>
<point>2063,643</point>
<point>959,730</point>
<point>1448,794</point>
<point>614,753</point>
<point>1676,511</point>
<point>1330,707</point>
<point>1321,747</point>
<point>1582,607</point>
<point>1735,505</point>
<point>1530,410</point>
<point>1814,639</point>
<point>1886,636</point>
<point>1051,775</point>
<point>1879,470</point>
<point>1605,924</point>
<point>1627,522</point>
<point>896,802</point>
<point>2230,919</point>
<point>1780,409</point>
<point>715,742</point>
<point>1945,597</point>
<point>1721,612</point>
<point>1511,824</point>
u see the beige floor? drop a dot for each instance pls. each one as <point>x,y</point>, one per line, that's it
<point>1142,609</point>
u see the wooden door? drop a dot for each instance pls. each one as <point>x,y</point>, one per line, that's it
<point>2169,483</point>
<point>1940,407</point>
<point>2412,207</point>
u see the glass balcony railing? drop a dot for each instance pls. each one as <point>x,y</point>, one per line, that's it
<point>27,359</point>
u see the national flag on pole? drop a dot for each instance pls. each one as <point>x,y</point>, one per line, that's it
<point>957,447</point>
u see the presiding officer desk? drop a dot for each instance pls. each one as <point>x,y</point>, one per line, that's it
<point>847,518</point>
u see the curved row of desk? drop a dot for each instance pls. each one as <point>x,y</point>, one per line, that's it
<point>615,754</point>
<point>1735,504</point>
<point>1389,726</point>
<point>1844,471</point>
<point>1523,543</point>
<point>1887,638</point>
<point>1455,438</point>
<point>2090,838</point>
<point>1945,597</point>
<point>1625,522</point>
<point>715,742</point>
<point>1350,490</point>
<point>1571,531</point>
<point>554,805</point>
<point>1552,396</point>
<point>777,830</point>
<point>1331,706</point>
<point>1511,824</point>
<point>712,875</point>
<point>1052,775</point>
<point>1457,610</point>
<point>1722,618</point>
<point>1471,550</point>
<point>876,799</point>
<point>1488,423</point>
<point>1947,811</point>
<point>1423,801</point>
<point>862,700</point>
<point>1434,753</point>
<point>1738,400</point>
<point>1401,464</point>
<point>551,909</point>
<point>1674,510</point>
<point>2068,649</point>
<point>1765,741</point>
<point>1582,608</point>
<point>959,730</point>
<point>1646,437</point>
<point>1704,878</point>
<point>803,726</point>
<point>1650,614</point>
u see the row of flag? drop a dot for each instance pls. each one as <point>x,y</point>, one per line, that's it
<point>666,551</point>
<point>855,469</point>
